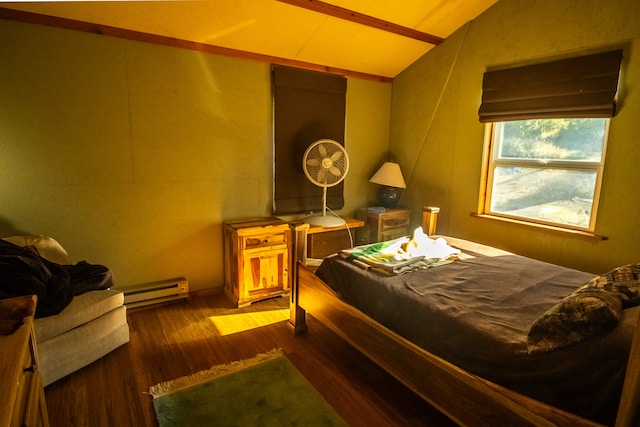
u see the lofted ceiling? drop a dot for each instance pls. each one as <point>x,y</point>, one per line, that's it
<point>376,38</point>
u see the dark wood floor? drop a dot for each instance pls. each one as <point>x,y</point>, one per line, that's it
<point>180,339</point>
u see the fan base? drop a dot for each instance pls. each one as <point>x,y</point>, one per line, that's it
<point>325,221</point>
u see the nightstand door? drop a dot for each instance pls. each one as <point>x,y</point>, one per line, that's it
<point>265,272</point>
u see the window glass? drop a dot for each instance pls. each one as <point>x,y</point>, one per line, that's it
<point>553,139</point>
<point>547,170</point>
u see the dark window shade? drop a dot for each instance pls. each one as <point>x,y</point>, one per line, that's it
<point>308,106</point>
<point>582,87</point>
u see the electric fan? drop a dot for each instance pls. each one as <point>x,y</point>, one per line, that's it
<point>325,163</point>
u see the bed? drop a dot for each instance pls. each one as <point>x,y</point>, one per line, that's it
<point>483,381</point>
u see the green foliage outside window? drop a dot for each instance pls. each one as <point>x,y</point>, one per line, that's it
<point>559,139</point>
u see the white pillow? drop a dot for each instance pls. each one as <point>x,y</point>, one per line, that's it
<point>46,246</point>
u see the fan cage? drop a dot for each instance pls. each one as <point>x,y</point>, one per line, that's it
<point>325,163</point>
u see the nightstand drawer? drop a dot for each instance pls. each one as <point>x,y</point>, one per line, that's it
<point>321,245</point>
<point>388,223</point>
<point>394,233</point>
<point>324,241</point>
<point>265,242</point>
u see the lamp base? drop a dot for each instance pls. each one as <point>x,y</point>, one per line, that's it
<point>389,196</point>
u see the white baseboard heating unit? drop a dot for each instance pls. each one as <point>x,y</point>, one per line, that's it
<point>156,292</point>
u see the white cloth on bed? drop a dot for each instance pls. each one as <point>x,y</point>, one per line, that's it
<point>403,254</point>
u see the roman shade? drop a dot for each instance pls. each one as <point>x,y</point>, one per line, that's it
<point>308,106</point>
<point>580,87</point>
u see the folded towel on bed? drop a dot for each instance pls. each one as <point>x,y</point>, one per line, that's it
<point>402,255</point>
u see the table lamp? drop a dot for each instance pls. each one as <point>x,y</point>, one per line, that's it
<point>389,176</point>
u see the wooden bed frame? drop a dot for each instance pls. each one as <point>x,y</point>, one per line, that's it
<point>465,398</point>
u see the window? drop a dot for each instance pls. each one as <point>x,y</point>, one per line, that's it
<point>546,170</point>
<point>547,127</point>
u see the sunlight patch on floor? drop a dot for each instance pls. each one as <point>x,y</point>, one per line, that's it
<point>243,320</point>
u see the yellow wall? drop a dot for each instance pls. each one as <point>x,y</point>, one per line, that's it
<point>436,135</point>
<point>132,155</point>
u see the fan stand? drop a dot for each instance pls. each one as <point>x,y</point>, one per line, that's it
<point>324,220</point>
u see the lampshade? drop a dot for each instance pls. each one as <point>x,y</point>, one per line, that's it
<point>389,175</point>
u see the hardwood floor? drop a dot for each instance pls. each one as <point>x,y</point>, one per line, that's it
<point>180,339</point>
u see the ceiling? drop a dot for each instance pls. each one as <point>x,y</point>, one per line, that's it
<point>288,29</point>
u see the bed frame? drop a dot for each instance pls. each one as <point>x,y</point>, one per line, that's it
<point>465,398</point>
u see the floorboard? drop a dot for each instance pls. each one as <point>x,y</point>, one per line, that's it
<point>179,339</point>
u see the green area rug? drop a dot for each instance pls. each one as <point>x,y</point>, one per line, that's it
<point>264,391</point>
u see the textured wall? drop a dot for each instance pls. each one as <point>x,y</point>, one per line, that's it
<point>436,134</point>
<point>132,155</point>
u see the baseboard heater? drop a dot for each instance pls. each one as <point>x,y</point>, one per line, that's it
<point>156,292</point>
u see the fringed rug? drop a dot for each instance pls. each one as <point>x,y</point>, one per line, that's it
<point>266,390</point>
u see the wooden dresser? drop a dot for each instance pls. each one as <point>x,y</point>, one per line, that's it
<point>22,400</point>
<point>257,259</point>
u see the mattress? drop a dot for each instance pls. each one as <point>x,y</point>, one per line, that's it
<point>82,309</point>
<point>68,352</point>
<point>476,313</point>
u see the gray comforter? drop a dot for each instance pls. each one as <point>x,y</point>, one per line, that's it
<point>476,313</point>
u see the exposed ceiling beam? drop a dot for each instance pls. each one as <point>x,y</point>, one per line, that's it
<point>71,24</point>
<point>360,18</point>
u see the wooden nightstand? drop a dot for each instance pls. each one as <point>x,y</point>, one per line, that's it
<point>322,241</point>
<point>257,259</point>
<point>381,226</point>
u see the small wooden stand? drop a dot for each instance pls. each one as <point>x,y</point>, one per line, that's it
<point>257,259</point>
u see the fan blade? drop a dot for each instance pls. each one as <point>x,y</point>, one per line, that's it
<point>314,163</point>
<point>322,150</point>
<point>335,171</point>
<point>335,156</point>
<point>322,175</point>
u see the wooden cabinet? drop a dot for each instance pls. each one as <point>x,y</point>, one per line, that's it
<point>22,400</point>
<point>323,241</point>
<point>381,226</point>
<point>257,259</point>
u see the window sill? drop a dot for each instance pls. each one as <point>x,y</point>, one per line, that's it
<point>544,227</point>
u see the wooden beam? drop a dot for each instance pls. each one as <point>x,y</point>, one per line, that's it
<point>360,18</point>
<point>88,27</point>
